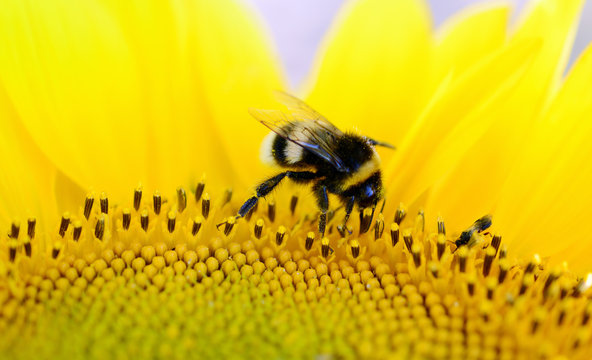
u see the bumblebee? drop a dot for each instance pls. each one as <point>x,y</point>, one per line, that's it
<point>314,151</point>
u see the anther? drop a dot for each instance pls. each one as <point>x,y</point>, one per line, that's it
<point>490,284</point>
<point>126,218</point>
<point>496,242</point>
<point>104,201</point>
<point>503,252</point>
<point>325,248</point>
<point>56,250</point>
<point>416,253</point>
<point>583,285</point>
<point>31,228</point>
<point>538,318</point>
<point>258,228</point>
<point>157,202</point>
<point>471,279</point>
<point>463,253</point>
<point>293,203</point>
<point>144,220</point>
<point>587,313</point>
<point>434,268</point>
<point>271,210</point>
<point>485,310</point>
<point>535,262</point>
<point>137,198</point>
<point>441,227</point>
<point>64,224</point>
<point>379,227</point>
<point>553,275</point>
<point>565,289</point>
<point>27,246</point>
<point>12,245</point>
<point>77,230</point>
<point>408,239</point>
<point>355,248</point>
<point>420,221</point>
<point>171,220</point>
<point>582,336</point>
<point>196,225</point>
<point>365,220</point>
<point>527,281</point>
<point>441,245</point>
<point>309,240</point>
<point>100,228</point>
<point>279,236</point>
<point>88,204</point>
<point>205,205</point>
<point>199,189</point>
<point>15,228</point>
<point>561,316</point>
<point>489,256</point>
<point>504,266</point>
<point>229,225</point>
<point>551,293</point>
<point>227,196</point>
<point>394,233</point>
<point>181,199</point>
<point>400,214</point>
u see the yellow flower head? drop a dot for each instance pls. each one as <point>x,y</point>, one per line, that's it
<point>98,96</point>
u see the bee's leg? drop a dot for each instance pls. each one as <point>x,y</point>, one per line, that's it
<point>268,185</point>
<point>349,207</point>
<point>320,191</point>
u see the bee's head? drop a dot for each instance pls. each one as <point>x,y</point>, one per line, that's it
<point>370,191</point>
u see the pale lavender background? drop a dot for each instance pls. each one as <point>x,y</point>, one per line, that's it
<point>298,26</point>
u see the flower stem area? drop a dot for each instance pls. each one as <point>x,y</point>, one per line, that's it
<point>170,278</point>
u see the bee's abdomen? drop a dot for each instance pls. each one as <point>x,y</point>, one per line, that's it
<point>275,150</point>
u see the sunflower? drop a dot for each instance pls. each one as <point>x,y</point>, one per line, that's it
<point>129,119</point>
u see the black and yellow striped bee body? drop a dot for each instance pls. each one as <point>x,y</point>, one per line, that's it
<point>358,157</point>
<point>314,151</point>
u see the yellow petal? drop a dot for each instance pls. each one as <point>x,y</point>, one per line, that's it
<point>72,80</point>
<point>27,175</point>
<point>452,124</point>
<point>469,36</point>
<point>69,196</point>
<point>555,21</point>
<point>237,70</point>
<point>204,65</point>
<point>373,72</point>
<point>545,204</point>
<point>132,89</point>
<point>484,168</point>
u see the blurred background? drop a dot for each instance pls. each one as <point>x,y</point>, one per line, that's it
<point>298,27</point>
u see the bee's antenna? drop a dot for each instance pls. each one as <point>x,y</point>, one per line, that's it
<point>374,209</point>
<point>383,204</point>
<point>225,222</point>
<point>452,242</point>
<point>220,224</point>
<point>380,143</point>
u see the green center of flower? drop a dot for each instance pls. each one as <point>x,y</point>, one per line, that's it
<point>161,279</point>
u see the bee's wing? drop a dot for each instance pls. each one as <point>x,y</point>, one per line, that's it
<point>310,134</point>
<point>300,110</point>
